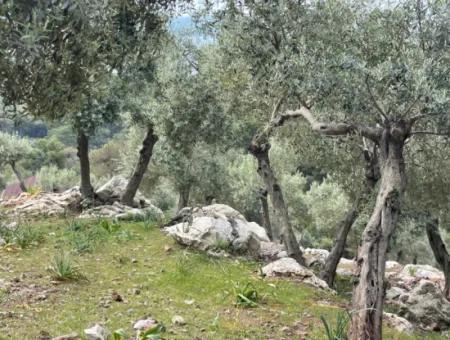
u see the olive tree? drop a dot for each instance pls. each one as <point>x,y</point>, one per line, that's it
<point>14,149</point>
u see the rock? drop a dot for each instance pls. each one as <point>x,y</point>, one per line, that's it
<point>268,251</point>
<point>2,242</point>
<point>71,336</point>
<point>423,304</point>
<point>43,335</point>
<point>289,267</point>
<point>113,190</point>
<point>124,213</point>
<point>48,204</point>
<point>178,320</point>
<point>314,257</point>
<point>346,267</point>
<point>422,271</point>
<point>398,323</point>
<point>116,297</point>
<point>392,268</point>
<point>145,324</point>
<point>96,332</point>
<point>218,227</point>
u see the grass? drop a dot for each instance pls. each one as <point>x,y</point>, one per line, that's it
<point>62,268</point>
<point>177,282</point>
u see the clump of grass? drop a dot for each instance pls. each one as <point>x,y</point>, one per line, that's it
<point>340,332</point>
<point>222,245</point>
<point>25,236</point>
<point>153,333</point>
<point>183,265</point>
<point>62,268</point>
<point>83,237</point>
<point>110,227</point>
<point>246,295</point>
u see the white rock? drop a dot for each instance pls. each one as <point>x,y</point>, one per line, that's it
<point>315,256</point>
<point>422,271</point>
<point>398,323</point>
<point>178,320</point>
<point>346,267</point>
<point>2,242</point>
<point>144,324</point>
<point>96,332</point>
<point>289,267</point>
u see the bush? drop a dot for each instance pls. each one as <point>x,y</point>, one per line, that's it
<point>52,179</point>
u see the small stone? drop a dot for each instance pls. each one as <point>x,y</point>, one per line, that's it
<point>42,297</point>
<point>71,336</point>
<point>178,320</point>
<point>189,302</point>
<point>134,260</point>
<point>43,335</point>
<point>145,324</point>
<point>2,242</point>
<point>167,248</point>
<point>96,332</point>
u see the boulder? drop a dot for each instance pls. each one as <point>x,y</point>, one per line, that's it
<point>144,324</point>
<point>422,271</point>
<point>215,227</point>
<point>113,190</point>
<point>347,267</point>
<point>124,213</point>
<point>424,304</point>
<point>289,267</point>
<point>398,323</point>
<point>392,268</point>
<point>315,257</point>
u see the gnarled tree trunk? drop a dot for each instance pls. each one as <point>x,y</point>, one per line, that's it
<point>440,252</point>
<point>368,294</point>
<point>83,154</point>
<point>183,199</point>
<point>372,174</point>
<point>266,216</point>
<point>261,153</point>
<point>138,173</point>
<point>19,177</point>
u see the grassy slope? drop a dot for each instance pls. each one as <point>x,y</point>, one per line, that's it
<point>166,280</point>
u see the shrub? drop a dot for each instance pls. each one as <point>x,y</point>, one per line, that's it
<point>24,236</point>
<point>50,178</point>
<point>63,269</point>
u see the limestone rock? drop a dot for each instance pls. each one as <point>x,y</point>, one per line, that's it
<point>346,267</point>
<point>144,324</point>
<point>124,213</point>
<point>217,227</point>
<point>289,267</point>
<point>398,323</point>
<point>96,332</point>
<point>71,336</point>
<point>315,257</point>
<point>178,320</point>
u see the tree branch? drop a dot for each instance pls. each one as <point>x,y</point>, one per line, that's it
<point>375,102</point>
<point>335,129</point>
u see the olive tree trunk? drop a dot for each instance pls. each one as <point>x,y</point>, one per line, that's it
<point>19,177</point>
<point>282,224</point>
<point>86,188</point>
<point>440,252</point>
<point>266,216</point>
<point>369,293</point>
<point>371,177</point>
<point>183,199</point>
<point>138,173</point>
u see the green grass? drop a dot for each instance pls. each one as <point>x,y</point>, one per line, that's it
<point>177,282</point>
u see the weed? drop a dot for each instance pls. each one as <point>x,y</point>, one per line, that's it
<point>222,245</point>
<point>119,334</point>
<point>63,269</point>
<point>412,271</point>
<point>246,296</point>
<point>340,332</point>
<point>153,333</point>
<point>110,227</point>
<point>183,265</point>
<point>25,236</point>
<point>125,235</point>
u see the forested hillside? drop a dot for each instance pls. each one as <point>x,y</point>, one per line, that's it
<point>301,139</point>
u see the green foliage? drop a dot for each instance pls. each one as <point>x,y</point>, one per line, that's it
<point>84,237</point>
<point>110,227</point>
<point>47,152</point>
<point>246,295</point>
<point>154,333</point>
<point>13,149</point>
<point>52,179</point>
<point>340,330</point>
<point>24,236</point>
<point>62,268</point>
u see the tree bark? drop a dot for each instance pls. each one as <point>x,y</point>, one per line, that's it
<point>371,177</point>
<point>83,154</point>
<point>16,171</point>
<point>440,252</point>
<point>368,294</point>
<point>266,216</point>
<point>282,224</point>
<point>138,173</point>
<point>183,199</point>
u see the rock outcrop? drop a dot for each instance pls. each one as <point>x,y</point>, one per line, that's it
<point>124,213</point>
<point>220,227</point>
<point>289,267</point>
